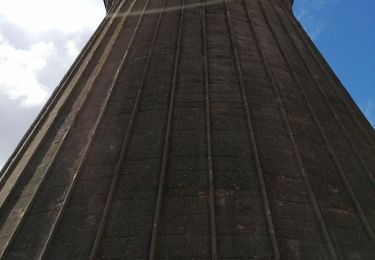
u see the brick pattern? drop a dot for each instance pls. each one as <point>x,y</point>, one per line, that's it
<point>212,131</point>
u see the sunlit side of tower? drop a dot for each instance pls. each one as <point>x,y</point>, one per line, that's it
<point>192,129</point>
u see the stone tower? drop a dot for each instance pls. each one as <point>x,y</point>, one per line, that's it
<point>192,129</point>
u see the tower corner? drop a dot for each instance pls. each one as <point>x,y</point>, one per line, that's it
<point>109,4</point>
<point>289,3</point>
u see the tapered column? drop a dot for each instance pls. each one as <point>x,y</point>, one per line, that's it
<point>193,129</point>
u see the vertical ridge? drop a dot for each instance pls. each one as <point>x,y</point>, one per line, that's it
<point>9,164</point>
<point>99,235</point>
<point>91,137</point>
<point>209,139</point>
<point>336,117</point>
<point>7,175</point>
<point>313,200</point>
<point>58,149</point>
<point>193,129</point>
<point>262,185</point>
<point>326,141</point>
<point>166,147</point>
<point>330,75</point>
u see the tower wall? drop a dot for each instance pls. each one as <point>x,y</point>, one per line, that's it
<point>289,3</point>
<point>109,4</point>
<point>194,130</point>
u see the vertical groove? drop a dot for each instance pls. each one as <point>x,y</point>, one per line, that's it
<point>166,148</point>
<point>271,229</point>
<point>113,6</point>
<point>211,194</point>
<point>332,78</point>
<point>326,141</point>
<point>336,117</point>
<point>53,159</point>
<point>329,147</point>
<point>313,200</point>
<point>10,163</point>
<point>6,174</point>
<point>91,138</point>
<point>51,101</point>
<point>121,159</point>
<point>110,4</point>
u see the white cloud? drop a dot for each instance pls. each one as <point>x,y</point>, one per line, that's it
<point>19,68</point>
<point>72,48</point>
<point>41,15</point>
<point>309,13</point>
<point>39,40</point>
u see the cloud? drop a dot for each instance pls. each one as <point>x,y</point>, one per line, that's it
<point>13,124</point>
<point>309,13</point>
<point>41,15</point>
<point>18,70</point>
<point>38,43</point>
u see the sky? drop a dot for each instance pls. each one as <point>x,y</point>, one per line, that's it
<point>344,32</point>
<point>39,42</point>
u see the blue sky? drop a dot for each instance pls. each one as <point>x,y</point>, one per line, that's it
<point>344,32</point>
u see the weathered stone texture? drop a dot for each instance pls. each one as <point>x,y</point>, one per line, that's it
<point>194,130</point>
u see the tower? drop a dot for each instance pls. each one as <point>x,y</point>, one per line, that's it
<point>191,129</point>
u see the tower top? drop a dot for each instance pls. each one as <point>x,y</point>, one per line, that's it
<point>110,3</point>
<point>194,129</point>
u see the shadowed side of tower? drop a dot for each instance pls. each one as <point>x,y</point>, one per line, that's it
<point>191,129</point>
